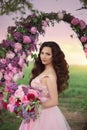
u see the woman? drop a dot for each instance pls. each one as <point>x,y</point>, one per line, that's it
<point>50,74</point>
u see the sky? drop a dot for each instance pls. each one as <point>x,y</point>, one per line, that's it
<point>61,32</point>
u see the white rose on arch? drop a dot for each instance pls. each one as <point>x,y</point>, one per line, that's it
<point>60,15</point>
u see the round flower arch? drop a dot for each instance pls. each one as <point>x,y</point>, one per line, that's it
<point>22,40</point>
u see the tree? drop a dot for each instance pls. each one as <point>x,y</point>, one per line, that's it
<point>84,4</point>
<point>7,6</point>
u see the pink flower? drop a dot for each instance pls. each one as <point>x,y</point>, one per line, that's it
<point>14,70</point>
<point>10,55</point>
<point>10,107</point>
<point>83,39</point>
<point>34,92</point>
<point>3,61</point>
<point>26,39</point>
<point>8,76</point>
<point>75,21</point>
<point>6,89</point>
<point>2,70</point>
<point>10,66</point>
<point>19,93</point>
<point>82,24</point>
<point>33,30</point>
<point>25,100</point>
<point>12,100</point>
<point>17,47</point>
<point>21,86</point>
<point>85,50</point>
<point>8,83</point>
<point>21,61</point>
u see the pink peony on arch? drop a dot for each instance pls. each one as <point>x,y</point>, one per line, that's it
<point>22,40</point>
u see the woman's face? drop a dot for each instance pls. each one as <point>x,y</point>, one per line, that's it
<point>46,56</point>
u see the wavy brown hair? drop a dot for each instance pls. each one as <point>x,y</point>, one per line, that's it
<point>59,63</point>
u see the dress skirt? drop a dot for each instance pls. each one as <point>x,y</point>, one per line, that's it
<point>50,119</point>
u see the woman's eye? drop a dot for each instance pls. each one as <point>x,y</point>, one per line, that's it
<point>47,53</point>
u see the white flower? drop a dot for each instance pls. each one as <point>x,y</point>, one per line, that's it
<point>60,15</point>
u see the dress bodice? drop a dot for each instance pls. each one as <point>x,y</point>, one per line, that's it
<point>37,84</point>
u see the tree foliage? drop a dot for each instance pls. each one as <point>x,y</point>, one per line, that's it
<point>7,6</point>
<point>84,4</point>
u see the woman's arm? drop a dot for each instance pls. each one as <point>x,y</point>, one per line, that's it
<point>53,92</point>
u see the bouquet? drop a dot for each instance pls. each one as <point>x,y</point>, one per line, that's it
<point>24,101</point>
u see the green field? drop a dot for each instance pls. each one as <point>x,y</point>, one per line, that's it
<point>73,99</point>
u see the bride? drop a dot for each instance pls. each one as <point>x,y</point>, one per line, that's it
<point>50,74</point>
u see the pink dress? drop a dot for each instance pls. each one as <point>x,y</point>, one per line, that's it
<point>50,118</point>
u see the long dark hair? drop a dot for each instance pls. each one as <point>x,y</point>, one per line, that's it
<point>59,63</point>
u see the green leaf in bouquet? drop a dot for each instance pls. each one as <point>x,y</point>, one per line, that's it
<point>5,96</point>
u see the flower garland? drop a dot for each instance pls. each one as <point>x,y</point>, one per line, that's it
<point>22,40</point>
<point>80,27</point>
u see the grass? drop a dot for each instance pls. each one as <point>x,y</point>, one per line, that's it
<point>73,99</point>
<point>8,121</point>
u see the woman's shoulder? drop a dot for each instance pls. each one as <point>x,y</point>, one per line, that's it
<point>50,76</point>
<point>47,76</point>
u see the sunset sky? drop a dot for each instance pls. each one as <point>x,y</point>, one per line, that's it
<point>60,32</point>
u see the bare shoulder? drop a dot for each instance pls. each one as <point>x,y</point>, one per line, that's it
<point>51,83</point>
<point>51,79</point>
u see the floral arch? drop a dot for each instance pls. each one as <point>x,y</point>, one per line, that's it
<point>22,40</point>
